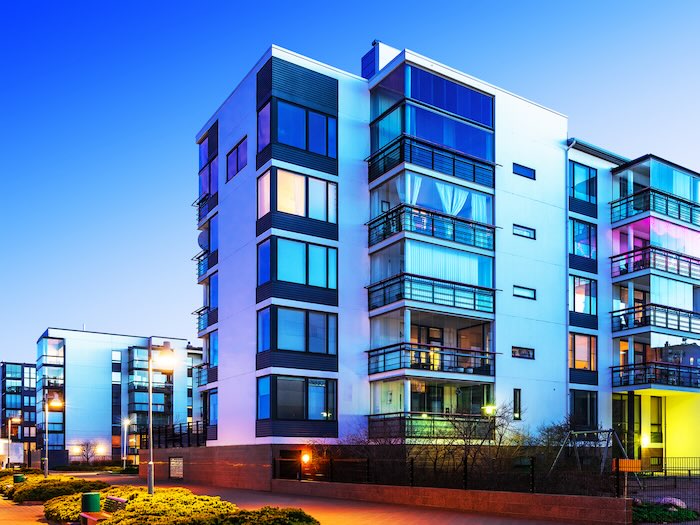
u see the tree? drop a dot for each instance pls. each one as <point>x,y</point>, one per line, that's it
<point>87,450</point>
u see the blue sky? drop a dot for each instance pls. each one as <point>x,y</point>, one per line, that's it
<point>100,101</point>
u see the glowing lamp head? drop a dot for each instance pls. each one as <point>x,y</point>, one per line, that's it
<point>305,458</point>
<point>165,361</point>
<point>16,420</point>
<point>126,422</point>
<point>489,410</point>
<point>76,450</point>
<point>55,402</point>
<point>100,450</point>
<point>424,416</point>
<point>645,441</point>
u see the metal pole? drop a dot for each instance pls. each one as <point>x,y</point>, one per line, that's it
<point>124,445</point>
<point>9,439</point>
<point>150,419</point>
<point>46,434</point>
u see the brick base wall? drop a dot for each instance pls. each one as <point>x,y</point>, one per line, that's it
<point>584,510</point>
<point>243,466</point>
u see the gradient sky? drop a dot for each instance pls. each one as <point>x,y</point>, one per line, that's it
<point>100,101</point>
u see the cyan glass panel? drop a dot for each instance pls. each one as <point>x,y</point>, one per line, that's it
<point>291,261</point>
<point>317,133</point>
<point>264,397</point>
<point>291,125</point>
<point>583,182</point>
<point>291,330</point>
<point>386,129</point>
<point>214,348</point>
<point>332,334</point>
<point>582,239</point>
<point>450,96</point>
<point>317,332</point>
<point>317,399</point>
<point>445,131</point>
<point>388,92</point>
<point>332,268</point>
<point>675,181</point>
<point>318,263</point>
<point>213,407</point>
<point>332,137</point>
<point>264,330</point>
<point>264,262</point>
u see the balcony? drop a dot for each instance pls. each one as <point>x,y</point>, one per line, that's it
<point>206,317</point>
<point>179,435</point>
<point>49,360</point>
<point>427,425</point>
<point>429,290</point>
<point>432,358</point>
<point>205,261</point>
<point>204,204</point>
<point>652,258</point>
<point>657,201</point>
<point>438,225</point>
<point>657,373</point>
<point>431,156</point>
<point>205,374</point>
<point>654,315</point>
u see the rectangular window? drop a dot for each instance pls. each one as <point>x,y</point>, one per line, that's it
<point>310,264</point>
<point>582,182</point>
<point>264,330</point>
<point>264,262</point>
<point>524,231</point>
<point>306,196</point>
<point>213,407</point>
<point>291,398</point>
<point>291,193</point>
<point>582,351</point>
<point>306,129</point>
<point>523,171</point>
<point>584,410</point>
<point>582,239</point>
<point>296,398</point>
<point>523,353</point>
<point>517,404</point>
<point>213,292</point>
<point>583,295</point>
<point>526,293</point>
<point>264,397</point>
<point>116,377</point>
<point>656,419</point>
<point>264,194</point>
<point>291,329</point>
<point>116,356</point>
<point>297,330</point>
<point>237,159</point>
<point>213,347</point>
<point>263,127</point>
<point>291,261</point>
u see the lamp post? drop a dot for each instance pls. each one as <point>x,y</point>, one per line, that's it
<point>56,403</point>
<point>125,446</point>
<point>166,362</point>
<point>10,420</point>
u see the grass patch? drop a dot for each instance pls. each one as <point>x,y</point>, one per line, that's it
<point>657,513</point>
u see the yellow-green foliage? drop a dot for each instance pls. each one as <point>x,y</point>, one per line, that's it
<point>270,516</point>
<point>50,488</point>
<point>67,508</point>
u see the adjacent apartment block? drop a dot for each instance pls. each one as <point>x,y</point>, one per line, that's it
<point>17,410</point>
<point>382,253</point>
<point>100,381</point>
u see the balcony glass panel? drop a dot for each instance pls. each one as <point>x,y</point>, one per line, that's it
<point>669,374</point>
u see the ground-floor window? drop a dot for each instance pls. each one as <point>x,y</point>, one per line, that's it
<point>296,398</point>
<point>584,409</point>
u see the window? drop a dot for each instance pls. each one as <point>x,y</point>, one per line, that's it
<point>29,377</point>
<point>116,377</point>
<point>263,127</point>
<point>583,295</point>
<point>306,196</point>
<point>116,356</point>
<point>297,330</point>
<point>213,407</point>
<point>656,419</point>
<point>517,404</point>
<point>264,194</point>
<point>213,232</point>
<point>264,262</point>
<point>212,289</point>
<point>291,261</point>
<point>237,159</point>
<point>523,171</point>
<point>302,263</point>
<point>582,239</point>
<point>296,398</point>
<point>584,410</point>
<point>523,353</point>
<point>582,351</point>
<point>306,129</point>
<point>13,401</point>
<point>582,182</point>
<point>209,178</point>
<point>213,348</point>
<point>524,231</point>
<point>526,293</point>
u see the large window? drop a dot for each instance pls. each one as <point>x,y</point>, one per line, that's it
<point>583,295</point>
<point>582,239</point>
<point>264,127</point>
<point>306,129</point>
<point>306,196</point>
<point>296,398</point>
<point>584,410</point>
<point>213,348</point>
<point>209,178</point>
<point>237,159</point>
<point>212,291</point>
<point>582,182</point>
<point>213,408</point>
<point>582,351</point>
<point>303,263</point>
<point>297,330</point>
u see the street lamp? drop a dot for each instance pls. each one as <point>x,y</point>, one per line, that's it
<point>125,445</point>
<point>10,420</point>
<point>166,362</point>
<point>54,403</point>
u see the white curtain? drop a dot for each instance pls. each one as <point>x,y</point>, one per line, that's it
<point>408,187</point>
<point>479,207</point>
<point>453,198</point>
<point>446,263</point>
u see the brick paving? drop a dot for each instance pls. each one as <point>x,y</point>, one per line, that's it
<point>13,514</point>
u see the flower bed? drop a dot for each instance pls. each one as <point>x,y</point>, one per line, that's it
<point>36,488</point>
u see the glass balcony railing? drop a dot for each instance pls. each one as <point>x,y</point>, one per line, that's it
<point>656,373</point>
<point>204,204</point>
<point>431,156</point>
<point>426,222</point>
<point>205,374</point>
<point>205,261</point>
<point>655,315</point>
<point>429,290</point>
<point>433,358</point>
<point>657,201</point>
<point>655,258</point>
<point>206,317</point>
<point>416,425</point>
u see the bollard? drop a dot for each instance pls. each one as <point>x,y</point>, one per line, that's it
<point>90,502</point>
<point>18,478</point>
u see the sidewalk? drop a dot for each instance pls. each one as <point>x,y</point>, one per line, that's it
<point>20,514</point>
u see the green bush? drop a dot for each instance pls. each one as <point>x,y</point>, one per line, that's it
<point>67,508</point>
<point>270,516</point>
<point>656,513</point>
<point>50,488</point>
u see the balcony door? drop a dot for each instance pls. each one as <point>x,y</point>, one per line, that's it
<point>432,340</point>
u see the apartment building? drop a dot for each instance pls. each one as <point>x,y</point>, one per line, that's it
<point>96,386</point>
<point>384,254</point>
<point>17,410</point>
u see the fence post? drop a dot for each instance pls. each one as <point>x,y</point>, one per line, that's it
<point>410,473</point>
<point>532,474</point>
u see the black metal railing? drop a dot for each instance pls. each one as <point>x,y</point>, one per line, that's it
<point>172,436</point>
<point>205,374</point>
<point>656,315</point>
<point>656,373</point>
<point>435,224</point>
<point>416,425</point>
<point>204,204</point>
<point>206,317</point>
<point>429,290</point>
<point>660,202</point>
<point>205,260</point>
<point>432,156</point>
<point>651,257</point>
<point>427,357</point>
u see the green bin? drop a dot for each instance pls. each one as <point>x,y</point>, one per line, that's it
<point>90,502</point>
<point>18,478</point>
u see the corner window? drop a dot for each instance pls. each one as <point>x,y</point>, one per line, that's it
<point>306,129</point>
<point>582,182</point>
<point>264,262</point>
<point>290,329</point>
<point>264,397</point>
<point>582,239</point>
<point>525,293</point>
<point>213,348</point>
<point>524,231</point>
<point>582,351</point>
<point>523,353</point>
<point>264,194</point>
<point>237,159</point>
<point>583,294</point>
<point>303,263</point>
<point>263,127</point>
<point>213,408</point>
<point>306,196</point>
<point>523,171</point>
<point>296,398</point>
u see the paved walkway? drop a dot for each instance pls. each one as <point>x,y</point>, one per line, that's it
<point>13,514</point>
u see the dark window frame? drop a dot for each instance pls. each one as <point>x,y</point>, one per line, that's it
<point>572,242</point>
<point>516,352</point>
<point>243,142</point>
<point>525,229</point>
<point>274,126</point>
<point>524,171</point>
<point>518,287</point>
<point>273,397</point>
<point>593,411</point>
<point>517,404</point>
<point>592,351</point>
<point>592,183</point>
<point>274,327</point>
<point>273,239</point>
<point>594,294</point>
<point>274,193</point>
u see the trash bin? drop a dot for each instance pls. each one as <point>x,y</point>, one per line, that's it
<point>90,502</point>
<point>18,478</point>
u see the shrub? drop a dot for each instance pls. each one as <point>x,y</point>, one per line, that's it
<point>270,516</point>
<point>657,513</point>
<point>50,488</point>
